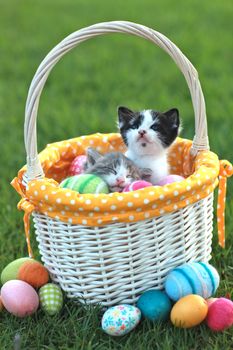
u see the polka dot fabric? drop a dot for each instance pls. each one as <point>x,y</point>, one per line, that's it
<point>201,175</point>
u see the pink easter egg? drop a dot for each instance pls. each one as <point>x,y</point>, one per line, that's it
<point>220,315</point>
<point>77,165</point>
<point>137,185</point>
<point>19,298</point>
<point>210,301</point>
<point>170,179</point>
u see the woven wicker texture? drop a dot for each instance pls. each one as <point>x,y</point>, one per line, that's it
<point>114,264</point>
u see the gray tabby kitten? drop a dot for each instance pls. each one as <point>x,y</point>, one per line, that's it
<point>114,168</point>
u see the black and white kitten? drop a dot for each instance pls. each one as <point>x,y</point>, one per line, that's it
<point>114,168</point>
<point>148,135</point>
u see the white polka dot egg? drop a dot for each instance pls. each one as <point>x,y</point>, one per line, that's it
<point>121,319</point>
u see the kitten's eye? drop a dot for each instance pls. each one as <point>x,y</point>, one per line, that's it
<point>154,127</point>
<point>110,170</point>
<point>134,126</point>
<point>113,171</point>
<point>128,176</point>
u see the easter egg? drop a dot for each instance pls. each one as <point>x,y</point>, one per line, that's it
<point>77,165</point>
<point>154,305</point>
<point>192,278</point>
<point>210,301</point>
<point>34,273</point>
<point>121,319</point>
<point>137,185</point>
<point>170,179</point>
<point>10,272</point>
<point>85,183</point>
<point>19,298</point>
<point>1,304</point>
<point>189,311</point>
<point>51,298</point>
<point>220,315</point>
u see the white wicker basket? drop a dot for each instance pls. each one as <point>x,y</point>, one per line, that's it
<point>116,262</point>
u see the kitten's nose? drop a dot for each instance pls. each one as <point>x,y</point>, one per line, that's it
<point>142,132</point>
<point>120,180</point>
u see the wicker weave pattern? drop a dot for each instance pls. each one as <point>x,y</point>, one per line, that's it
<point>115,263</point>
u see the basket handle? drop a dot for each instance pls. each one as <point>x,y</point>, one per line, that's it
<point>200,141</point>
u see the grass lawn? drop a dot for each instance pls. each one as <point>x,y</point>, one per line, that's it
<point>81,97</point>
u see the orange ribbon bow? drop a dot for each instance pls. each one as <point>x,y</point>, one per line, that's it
<point>226,170</point>
<point>28,208</point>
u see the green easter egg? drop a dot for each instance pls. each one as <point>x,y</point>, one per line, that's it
<point>51,298</point>
<point>85,183</point>
<point>10,272</point>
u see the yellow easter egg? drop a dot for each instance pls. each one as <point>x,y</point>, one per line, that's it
<point>189,311</point>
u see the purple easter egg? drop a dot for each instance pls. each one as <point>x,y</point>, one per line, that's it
<point>170,179</point>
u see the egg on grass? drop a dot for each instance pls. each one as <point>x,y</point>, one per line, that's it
<point>19,298</point>
<point>34,273</point>
<point>51,298</point>
<point>192,278</point>
<point>120,319</point>
<point>155,305</point>
<point>189,311</point>
<point>10,272</point>
<point>220,314</point>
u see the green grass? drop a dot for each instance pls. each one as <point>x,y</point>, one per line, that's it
<point>81,97</point>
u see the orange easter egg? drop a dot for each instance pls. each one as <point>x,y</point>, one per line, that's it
<point>189,311</point>
<point>34,273</point>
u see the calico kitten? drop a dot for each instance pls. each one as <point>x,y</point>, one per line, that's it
<point>114,168</point>
<point>148,135</point>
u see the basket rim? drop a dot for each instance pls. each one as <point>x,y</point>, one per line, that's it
<point>101,209</point>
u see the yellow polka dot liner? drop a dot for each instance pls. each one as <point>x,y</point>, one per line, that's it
<point>45,196</point>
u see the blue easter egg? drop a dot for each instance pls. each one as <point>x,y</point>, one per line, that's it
<point>154,305</point>
<point>192,278</point>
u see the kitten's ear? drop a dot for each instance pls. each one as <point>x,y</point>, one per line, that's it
<point>124,115</point>
<point>173,115</point>
<point>145,173</point>
<point>92,156</point>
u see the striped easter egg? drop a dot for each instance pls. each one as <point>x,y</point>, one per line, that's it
<point>85,183</point>
<point>192,278</point>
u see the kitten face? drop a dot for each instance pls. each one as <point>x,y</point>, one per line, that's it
<point>114,168</point>
<point>148,132</point>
